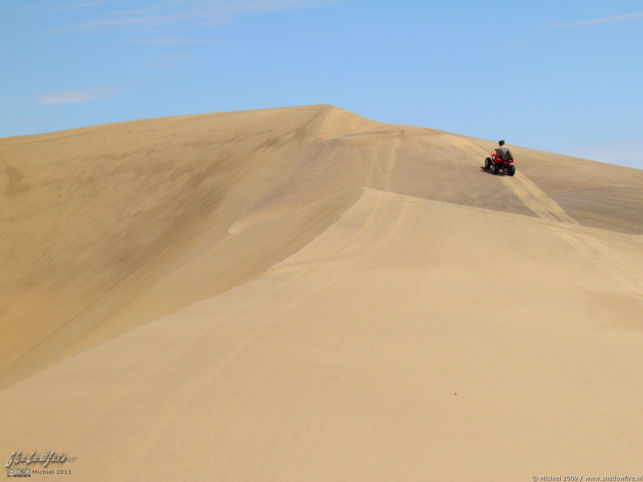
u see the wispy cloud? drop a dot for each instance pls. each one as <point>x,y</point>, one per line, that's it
<point>157,16</point>
<point>170,41</point>
<point>176,55</point>
<point>80,5</point>
<point>171,60</point>
<point>73,96</point>
<point>597,21</point>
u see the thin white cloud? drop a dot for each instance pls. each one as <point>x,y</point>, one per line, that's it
<point>170,41</point>
<point>186,13</point>
<point>598,21</point>
<point>80,5</point>
<point>72,96</point>
<point>171,60</point>
<point>176,55</point>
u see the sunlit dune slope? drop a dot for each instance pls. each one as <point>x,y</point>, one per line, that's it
<point>304,294</point>
<point>404,343</point>
<point>108,227</point>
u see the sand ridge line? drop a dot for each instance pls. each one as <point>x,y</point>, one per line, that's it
<point>593,250</point>
<point>197,382</point>
<point>353,238</point>
<point>318,415</point>
<point>320,400</point>
<point>376,327</point>
<point>199,334</point>
<point>307,129</point>
<point>392,160</point>
<point>391,157</point>
<point>599,255</point>
<point>536,199</point>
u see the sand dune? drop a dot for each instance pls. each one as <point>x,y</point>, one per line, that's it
<point>304,294</point>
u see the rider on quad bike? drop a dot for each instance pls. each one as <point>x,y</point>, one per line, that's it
<point>503,151</point>
<point>503,159</point>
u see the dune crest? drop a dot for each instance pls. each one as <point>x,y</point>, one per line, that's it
<point>305,294</point>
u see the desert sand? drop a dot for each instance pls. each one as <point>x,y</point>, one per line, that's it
<point>303,294</point>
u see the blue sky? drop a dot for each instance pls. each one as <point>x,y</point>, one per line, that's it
<point>561,76</point>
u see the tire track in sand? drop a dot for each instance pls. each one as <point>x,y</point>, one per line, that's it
<point>594,251</point>
<point>365,334</point>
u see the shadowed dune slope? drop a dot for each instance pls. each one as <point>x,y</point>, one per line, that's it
<point>304,294</point>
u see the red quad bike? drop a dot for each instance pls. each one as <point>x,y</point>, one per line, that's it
<point>497,164</point>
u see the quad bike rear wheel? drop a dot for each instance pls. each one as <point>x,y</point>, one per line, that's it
<point>511,170</point>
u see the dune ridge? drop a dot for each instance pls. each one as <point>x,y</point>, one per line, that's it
<point>305,294</point>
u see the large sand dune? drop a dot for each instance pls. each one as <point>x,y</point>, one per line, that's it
<point>303,294</point>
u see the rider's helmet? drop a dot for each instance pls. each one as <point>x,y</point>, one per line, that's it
<point>501,142</point>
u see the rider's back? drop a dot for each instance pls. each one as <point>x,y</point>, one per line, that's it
<point>503,152</point>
